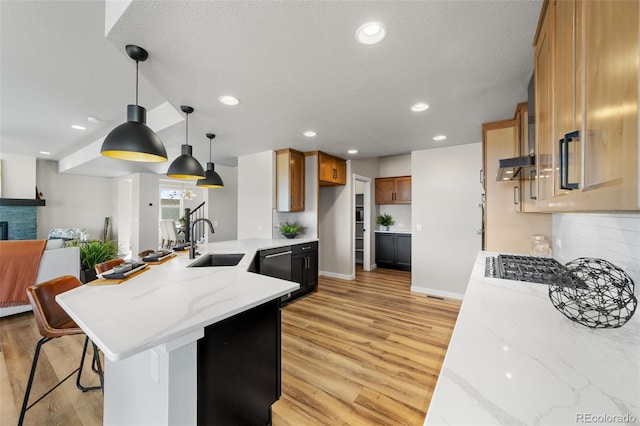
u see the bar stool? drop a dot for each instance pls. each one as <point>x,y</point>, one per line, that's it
<point>108,265</point>
<point>53,322</point>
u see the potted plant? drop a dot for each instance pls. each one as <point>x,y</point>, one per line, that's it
<point>92,253</point>
<point>290,230</point>
<point>385,220</point>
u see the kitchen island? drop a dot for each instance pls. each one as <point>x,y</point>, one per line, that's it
<point>513,359</point>
<point>149,326</point>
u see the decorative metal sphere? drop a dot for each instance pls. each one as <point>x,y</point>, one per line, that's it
<point>594,293</point>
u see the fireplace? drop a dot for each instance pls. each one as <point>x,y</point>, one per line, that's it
<point>4,230</point>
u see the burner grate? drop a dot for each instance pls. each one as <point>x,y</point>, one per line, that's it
<point>527,268</point>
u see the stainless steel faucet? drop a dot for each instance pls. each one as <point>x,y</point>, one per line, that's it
<point>192,245</point>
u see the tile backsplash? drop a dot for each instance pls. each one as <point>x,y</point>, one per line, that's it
<point>610,236</point>
<point>22,221</point>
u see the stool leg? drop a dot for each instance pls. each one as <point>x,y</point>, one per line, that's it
<point>30,382</point>
<point>96,360</point>
<point>84,353</point>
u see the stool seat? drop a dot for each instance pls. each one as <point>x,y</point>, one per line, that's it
<point>53,322</point>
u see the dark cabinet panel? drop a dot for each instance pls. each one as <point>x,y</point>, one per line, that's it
<point>239,367</point>
<point>393,250</point>
<point>385,249</point>
<point>403,250</point>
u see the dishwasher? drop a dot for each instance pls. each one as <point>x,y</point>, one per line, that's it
<point>276,262</point>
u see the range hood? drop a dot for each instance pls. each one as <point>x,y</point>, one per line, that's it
<point>513,168</point>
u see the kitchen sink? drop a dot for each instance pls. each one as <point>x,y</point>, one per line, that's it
<point>217,260</point>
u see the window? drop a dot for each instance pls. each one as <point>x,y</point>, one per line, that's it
<point>170,203</point>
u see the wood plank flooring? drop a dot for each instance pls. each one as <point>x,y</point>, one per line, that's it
<point>366,351</point>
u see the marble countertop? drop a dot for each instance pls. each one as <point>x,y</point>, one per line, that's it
<point>514,359</point>
<point>170,300</point>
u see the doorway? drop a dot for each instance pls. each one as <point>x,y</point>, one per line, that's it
<point>362,222</point>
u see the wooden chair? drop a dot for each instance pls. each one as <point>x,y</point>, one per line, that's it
<point>53,322</point>
<point>108,265</point>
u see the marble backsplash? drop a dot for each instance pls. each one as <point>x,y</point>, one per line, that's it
<point>614,237</point>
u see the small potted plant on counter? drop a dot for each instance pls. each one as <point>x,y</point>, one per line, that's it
<point>385,220</point>
<point>290,230</point>
<point>92,253</point>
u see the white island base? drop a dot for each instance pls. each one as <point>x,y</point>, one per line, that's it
<point>155,387</point>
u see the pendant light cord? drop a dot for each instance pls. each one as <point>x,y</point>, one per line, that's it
<point>187,131</point>
<point>136,82</point>
<point>210,159</point>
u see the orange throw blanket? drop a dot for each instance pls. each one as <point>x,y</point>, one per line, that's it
<point>19,262</point>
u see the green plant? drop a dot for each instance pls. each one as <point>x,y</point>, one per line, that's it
<point>385,220</point>
<point>290,228</point>
<point>94,252</point>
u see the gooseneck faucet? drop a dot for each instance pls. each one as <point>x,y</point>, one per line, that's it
<point>192,245</point>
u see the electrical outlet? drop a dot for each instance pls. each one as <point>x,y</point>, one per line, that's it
<point>401,225</point>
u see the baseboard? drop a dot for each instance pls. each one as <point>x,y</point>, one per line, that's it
<point>339,276</point>
<point>438,293</point>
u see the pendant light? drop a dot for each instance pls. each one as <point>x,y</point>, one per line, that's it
<point>212,179</point>
<point>186,166</point>
<point>133,140</point>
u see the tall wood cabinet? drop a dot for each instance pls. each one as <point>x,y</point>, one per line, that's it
<point>290,180</point>
<point>586,71</point>
<point>393,190</point>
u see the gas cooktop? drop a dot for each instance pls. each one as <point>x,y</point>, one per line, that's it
<point>523,268</point>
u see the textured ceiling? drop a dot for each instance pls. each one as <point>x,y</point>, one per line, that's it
<point>294,65</point>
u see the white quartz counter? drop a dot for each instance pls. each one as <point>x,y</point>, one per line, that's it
<point>171,300</point>
<point>514,359</point>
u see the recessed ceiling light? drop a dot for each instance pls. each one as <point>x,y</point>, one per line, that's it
<point>439,138</point>
<point>77,127</point>
<point>352,151</point>
<point>419,107</point>
<point>229,100</point>
<point>309,133</point>
<point>371,33</point>
<point>45,153</point>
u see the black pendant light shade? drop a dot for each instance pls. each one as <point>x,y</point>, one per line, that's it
<point>211,179</point>
<point>133,140</point>
<point>186,166</point>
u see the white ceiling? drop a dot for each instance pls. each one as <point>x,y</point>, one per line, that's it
<point>295,65</point>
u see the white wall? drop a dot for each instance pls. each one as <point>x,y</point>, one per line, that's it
<point>18,174</point>
<point>74,201</point>
<point>614,237</point>
<point>223,205</point>
<point>445,197</point>
<point>397,165</point>
<point>256,189</point>
<point>335,209</point>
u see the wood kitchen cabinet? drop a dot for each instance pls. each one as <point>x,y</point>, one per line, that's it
<point>525,188</point>
<point>290,180</point>
<point>331,170</point>
<point>586,67</point>
<point>393,190</point>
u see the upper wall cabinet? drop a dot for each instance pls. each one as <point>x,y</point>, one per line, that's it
<point>290,180</point>
<point>393,190</point>
<point>586,72</point>
<point>331,170</point>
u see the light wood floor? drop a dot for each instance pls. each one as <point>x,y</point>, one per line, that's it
<point>357,352</point>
